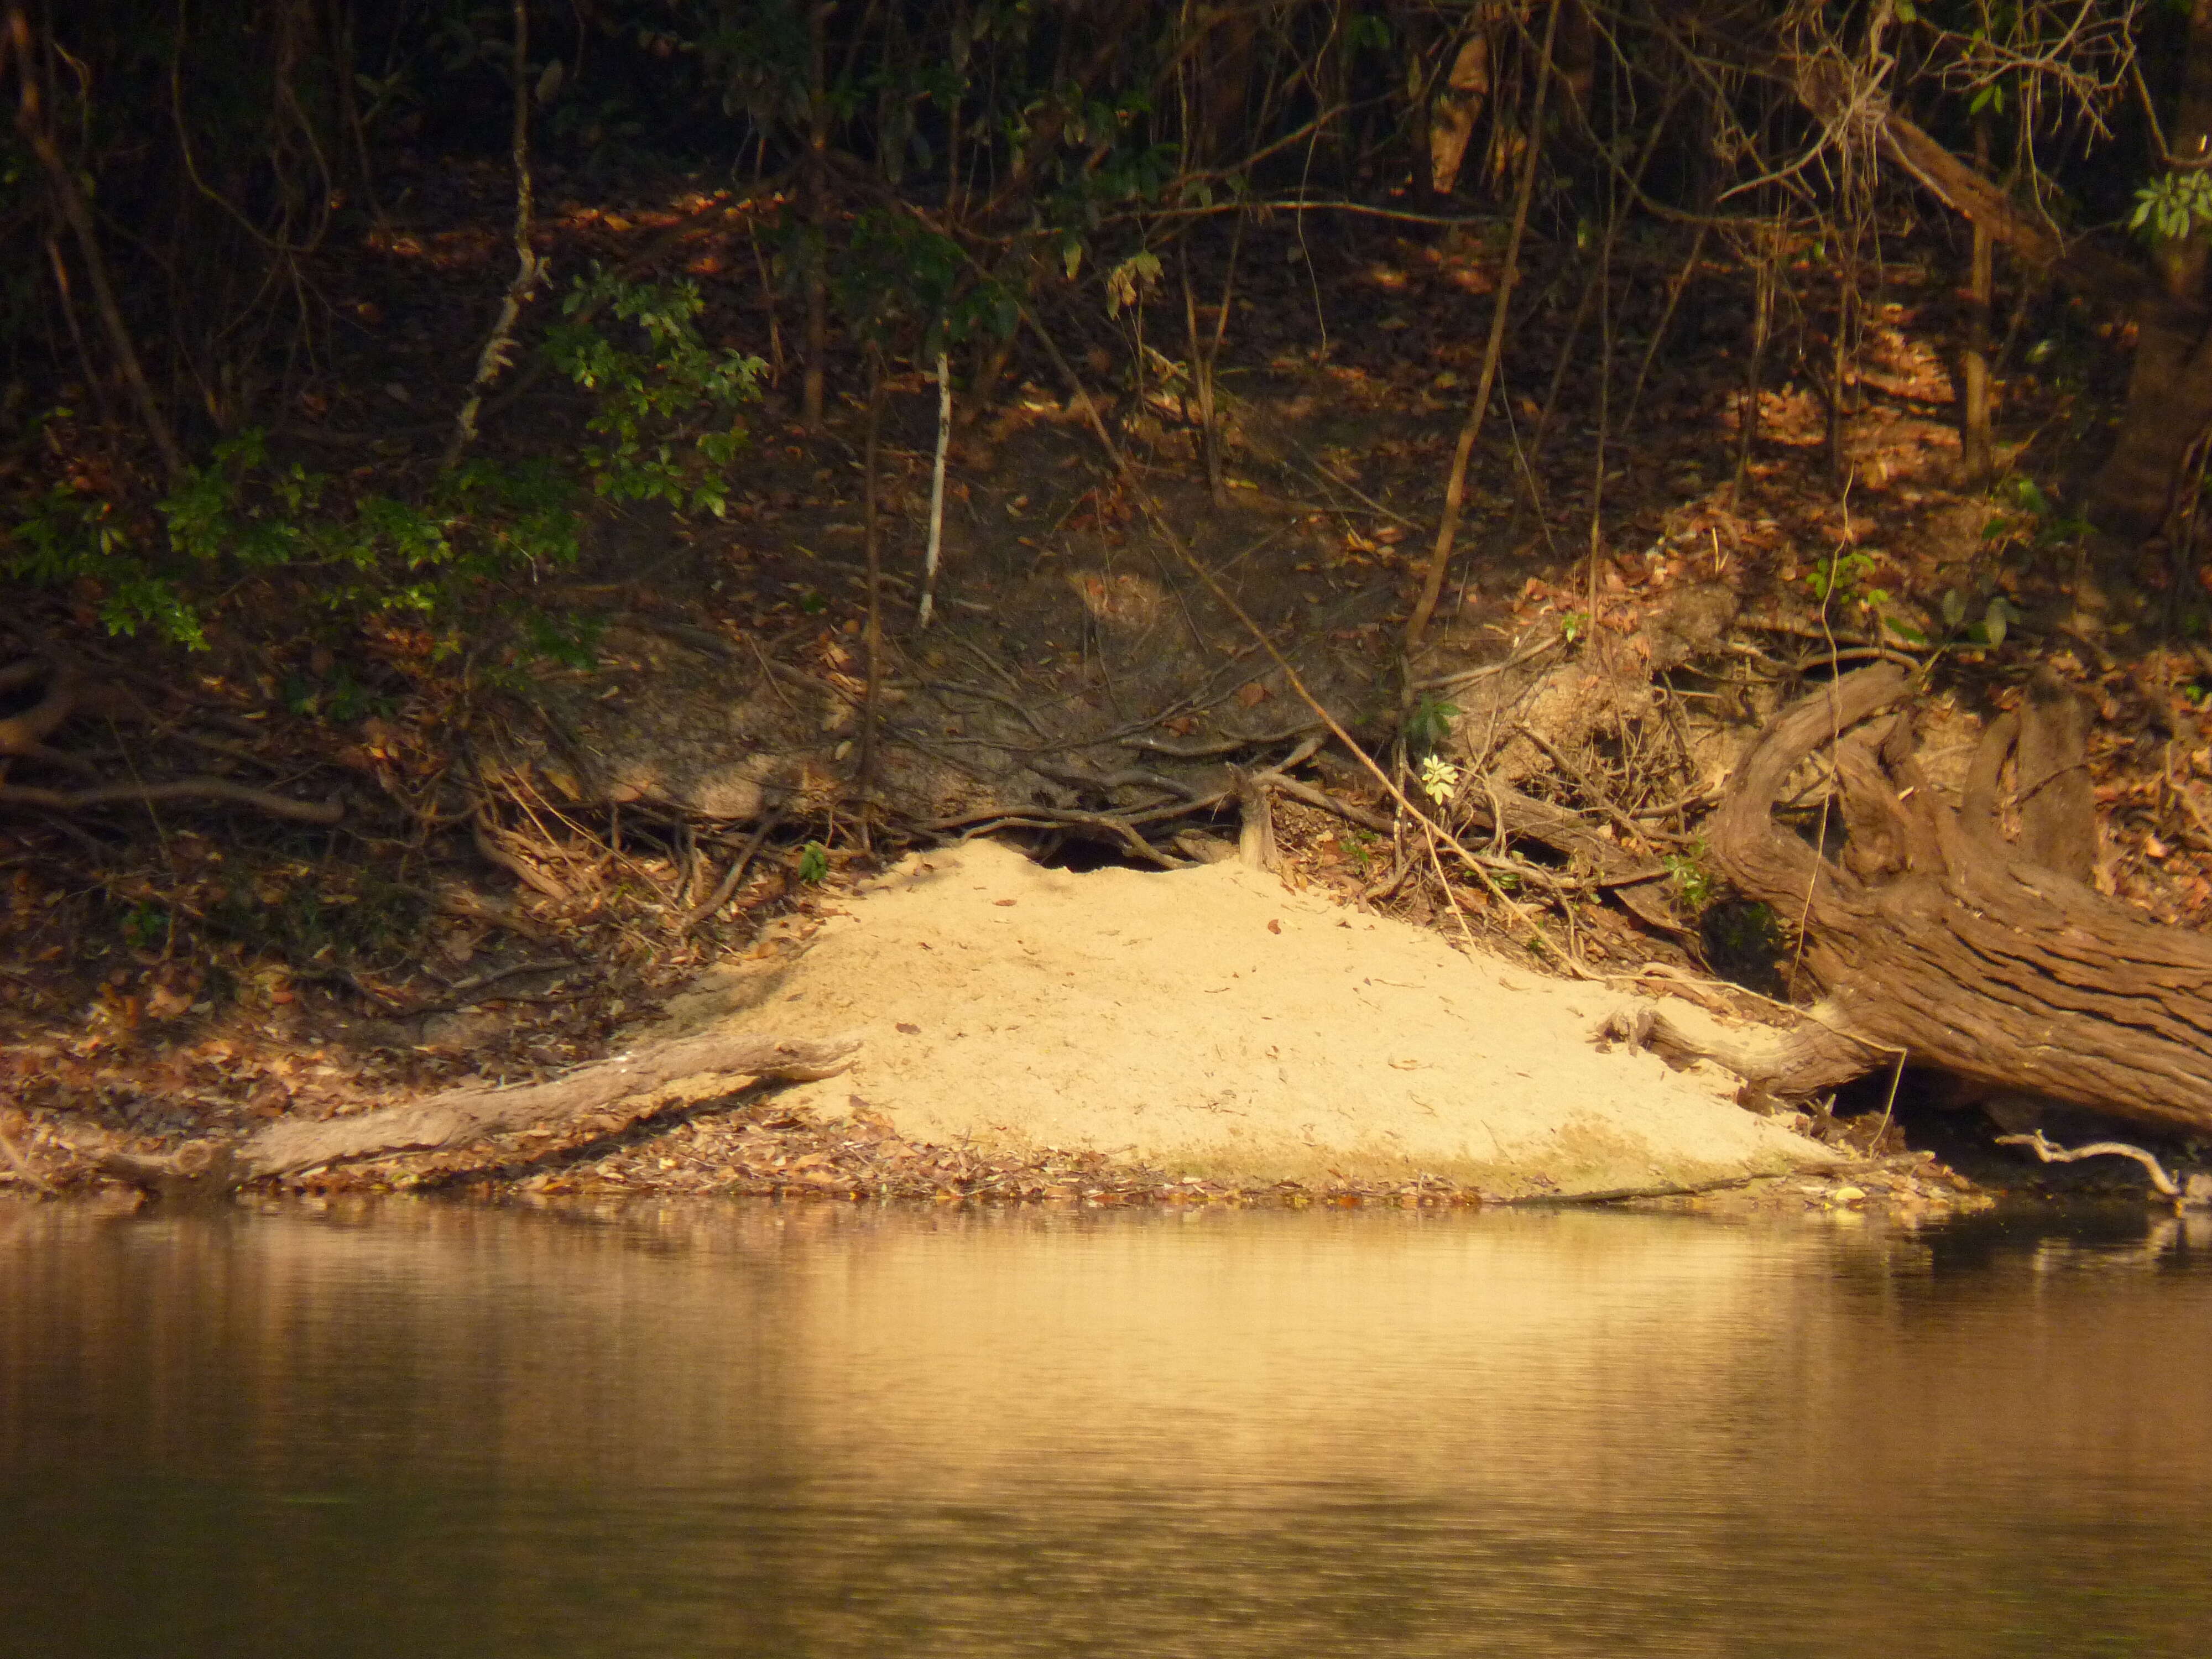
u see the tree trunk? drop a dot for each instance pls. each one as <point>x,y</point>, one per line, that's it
<point>1937,940</point>
<point>2169,406</point>
<point>2181,260</point>
<point>2170,390</point>
<point>815,379</point>
<point>1458,105</point>
<point>2169,395</point>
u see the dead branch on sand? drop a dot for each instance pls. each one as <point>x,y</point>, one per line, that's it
<point>461,1118</point>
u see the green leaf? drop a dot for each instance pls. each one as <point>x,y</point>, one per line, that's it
<point>1994,621</point>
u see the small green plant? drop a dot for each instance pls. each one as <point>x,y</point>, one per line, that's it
<point>668,422</point>
<point>897,279</point>
<point>1840,576</point>
<point>1130,280</point>
<point>1429,724</point>
<point>2025,517</point>
<point>1997,620</point>
<point>68,536</point>
<point>666,425</point>
<point>1693,884</point>
<point>145,926</point>
<point>2172,206</point>
<point>1573,625</point>
<point>813,863</point>
<point>1359,845</point>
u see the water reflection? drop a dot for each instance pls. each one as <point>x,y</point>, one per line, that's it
<point>815,1431</point>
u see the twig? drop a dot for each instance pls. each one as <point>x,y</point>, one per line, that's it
<point>1599,797</point>
<point>23,1166</point>
<point>1466,675</point>
<point>950,688</point>
<point>2053,1154</point>
<point>1119,831</point>
<point>516,865</point>
<point>333,973</point>
<point>1224,746</point>
<point>477,981</point>
<point>728,884</point>
<point>1327,803</point>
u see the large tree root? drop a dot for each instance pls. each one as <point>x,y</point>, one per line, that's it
<point>461,1118</point>
<point>1934,936</point>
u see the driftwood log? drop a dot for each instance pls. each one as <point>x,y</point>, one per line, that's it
<point>1935,939</point>
<point>461,1118</point>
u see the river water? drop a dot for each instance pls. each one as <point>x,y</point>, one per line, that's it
<point>801,1430</point>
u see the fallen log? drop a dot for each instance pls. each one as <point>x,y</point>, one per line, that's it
<point>1933,938</point>
<point>461,1118</point>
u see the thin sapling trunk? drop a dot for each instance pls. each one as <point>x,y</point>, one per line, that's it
<point>1974,433</point>
<point>937,490</point>
<point>1456,486</point>
<point>817,217</point>
<point>499,347</point>
<point>872,522</point>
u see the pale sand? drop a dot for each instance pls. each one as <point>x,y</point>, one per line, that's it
<point>1211,1022</point>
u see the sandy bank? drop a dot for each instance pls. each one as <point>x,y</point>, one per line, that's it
<point>1212,1022</point>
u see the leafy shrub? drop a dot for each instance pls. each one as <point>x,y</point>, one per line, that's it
<point>667,427</point>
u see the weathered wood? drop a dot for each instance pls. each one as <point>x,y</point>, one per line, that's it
<point>1945,942</point>
<point>460,1117</point>
<point>1809,1057</point>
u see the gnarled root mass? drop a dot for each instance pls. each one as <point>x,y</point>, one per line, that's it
<point>1935,937</point>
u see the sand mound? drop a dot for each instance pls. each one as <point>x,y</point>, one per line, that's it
<point>1212,1022</point>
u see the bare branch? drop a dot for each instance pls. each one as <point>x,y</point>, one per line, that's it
<point>2053,1154</point>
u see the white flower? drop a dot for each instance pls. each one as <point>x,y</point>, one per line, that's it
<point>1439,778</point>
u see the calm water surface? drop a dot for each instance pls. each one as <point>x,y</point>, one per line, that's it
<point>805,1432</point>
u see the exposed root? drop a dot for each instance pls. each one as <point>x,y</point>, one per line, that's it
<point>1807,1058</point>
<point>491,844</point>
<point>1934,935</point>
<point>2051,1153</point>
<point>177,789</point>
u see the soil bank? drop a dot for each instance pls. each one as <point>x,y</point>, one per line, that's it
<point>1214,1022</point>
